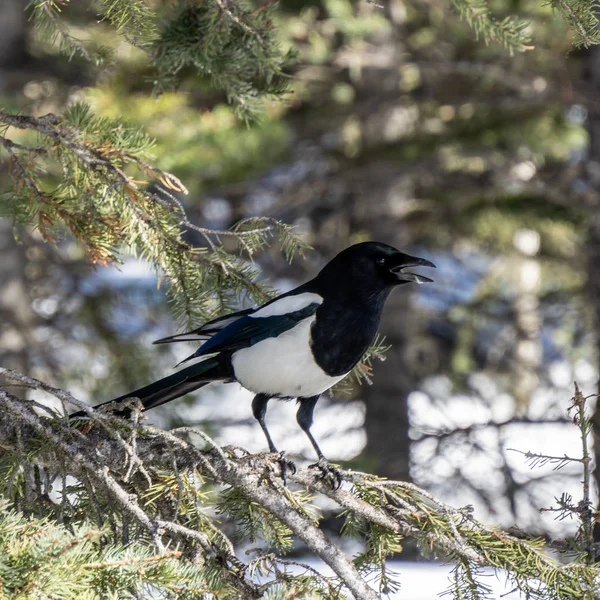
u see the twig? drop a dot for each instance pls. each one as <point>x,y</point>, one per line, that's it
<point>585,514</point>
<point>223,6</point>
<point>576,21</point>
<point>10,147</point>
<point>134,560</point>
<point>62,31</point>
<point>95,159</point>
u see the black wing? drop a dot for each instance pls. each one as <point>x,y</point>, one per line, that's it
<point>247,331</point>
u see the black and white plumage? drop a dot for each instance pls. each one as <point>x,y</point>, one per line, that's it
<point>299,344</point>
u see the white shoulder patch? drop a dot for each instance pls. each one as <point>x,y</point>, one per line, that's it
<point>288,304</point>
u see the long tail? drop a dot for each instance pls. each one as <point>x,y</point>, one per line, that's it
<point>171,387</point>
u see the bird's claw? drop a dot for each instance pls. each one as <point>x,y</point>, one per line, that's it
<point>331,474</point>
<point>287,466</point>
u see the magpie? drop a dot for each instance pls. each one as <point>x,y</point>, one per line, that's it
<point>297,345</point>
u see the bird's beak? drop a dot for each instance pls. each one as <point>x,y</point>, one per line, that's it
<point>404,261</point>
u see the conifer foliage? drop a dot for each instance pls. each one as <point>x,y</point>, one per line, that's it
<point>42,559</point>
<point>105,208</point>
<point>233,44</point>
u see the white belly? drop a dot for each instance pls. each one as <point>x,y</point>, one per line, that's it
<point>283,366</point>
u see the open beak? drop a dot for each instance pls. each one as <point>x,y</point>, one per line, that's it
<point>404,261</point>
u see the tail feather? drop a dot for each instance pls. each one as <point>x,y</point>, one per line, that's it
<point>168,388</point>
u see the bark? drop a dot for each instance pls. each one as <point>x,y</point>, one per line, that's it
<point>593,267</point>
<point>16,316</point>
<point>13,45</point>
<point>526,306</point>
<point>592,246</point>
<point>386,421</point>
<point>13,35</point>
<point>120,458</point>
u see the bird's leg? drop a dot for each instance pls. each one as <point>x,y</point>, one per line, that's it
<point>259,410</point>
<point>304,416</point>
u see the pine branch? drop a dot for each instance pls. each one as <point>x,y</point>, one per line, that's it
<point>105,204</point>
<point>46,15</point>
<point>233,44</point>
<point>133,18</point>
<point>170,509</point>
<point>510,32</point>
<point>581,17</point>
<point>230,43</point>
<point>242,474</point>
<point>565,507</point>
<point>35,551</point>
<point>47,18</point>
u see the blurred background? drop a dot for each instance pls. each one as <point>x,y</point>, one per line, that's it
<point>402,128</point>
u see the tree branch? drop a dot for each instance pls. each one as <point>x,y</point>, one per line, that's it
<point>389,508</point>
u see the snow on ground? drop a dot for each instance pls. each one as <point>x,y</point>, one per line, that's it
<point>427,580</point>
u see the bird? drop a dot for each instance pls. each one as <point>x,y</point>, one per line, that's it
<point>295,346</point>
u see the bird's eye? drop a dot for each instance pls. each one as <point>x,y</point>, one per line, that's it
<point>380,260</point>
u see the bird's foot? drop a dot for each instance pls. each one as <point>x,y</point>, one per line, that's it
<point>330,474</point>
<point>287,467</point>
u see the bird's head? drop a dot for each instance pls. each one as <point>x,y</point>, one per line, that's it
<point>374,267</point>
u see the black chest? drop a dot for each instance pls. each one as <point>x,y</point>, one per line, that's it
<point>343,332</point>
